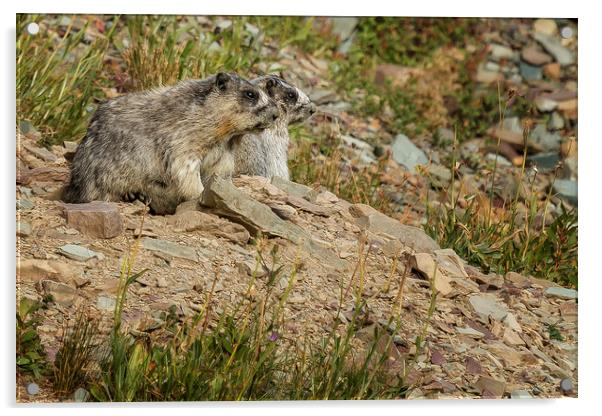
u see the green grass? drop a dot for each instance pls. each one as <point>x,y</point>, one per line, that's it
<point>31,357</point>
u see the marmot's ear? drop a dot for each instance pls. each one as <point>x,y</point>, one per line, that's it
<point>221,80</point>
<point>270,84</point>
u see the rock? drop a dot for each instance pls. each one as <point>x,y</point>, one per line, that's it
<point>520,394</point>
<point>561,54</point>
<point>106,303</point>
<point>307,206</point>
<point>61,293</point>
<point>70,146</point>
<point>511,322</point>
<point>397,75</point>
<point>544,161</point>
<point>534,56</point>
<point>499,52</point>
<point>79,253</point>
<point>501,160</point>
<point>545,105</point>
<point>546,140</point>
<point>24,205</point>
<point>437,358</point>
<point>530,72</point>
<point>440,172</point>
<point>363,149</point>
<point>487,306</point>
<point>42,174</point>
<point>513,138</point>
<point>376,222</point>
<point>561,293</point>
<point>170,248</point>
<point>34,270</point>
<point>566,189</point>
<point>472,366</point>
<point>229,201</point>
<point>511,338</point>
<point>286,212</point>
<point>40,152</point>
<point>424,263</point>
<point>471,332</point>
<point>407,154</point>
<point>320,97</point>
<point>95,219</point>
<point>552,70</point>
<point>33,389</point>
<point>23,229</point>
<point>81,395</point>
<point>487,77</point>
<point>494,387</point>
<point>566,385</point>
<point>190,221</point>
<point>295,189</point>
<point>545,26</point>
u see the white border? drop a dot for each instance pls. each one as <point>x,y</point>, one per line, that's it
<point>590,77</point>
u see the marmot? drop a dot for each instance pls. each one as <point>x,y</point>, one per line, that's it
<point>162,143</point>
<point>266,153</point>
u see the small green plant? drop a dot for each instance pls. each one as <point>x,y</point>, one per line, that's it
<point>31,357</point>
<point>554,333</point>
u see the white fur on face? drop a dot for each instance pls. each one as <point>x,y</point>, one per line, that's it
<point>302,97</point>
<point>263,99</point>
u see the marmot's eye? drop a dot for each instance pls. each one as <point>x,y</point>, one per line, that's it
<point>291,95</point>
<point>251,95</point>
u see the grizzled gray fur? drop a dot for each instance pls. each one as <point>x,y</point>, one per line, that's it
<point>162,143</point>
<point>266,153</point>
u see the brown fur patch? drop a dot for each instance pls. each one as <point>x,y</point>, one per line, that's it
<point>225,127</point>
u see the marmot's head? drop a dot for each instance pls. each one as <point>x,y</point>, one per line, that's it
<point>294,104</point>
<point>239,106</point>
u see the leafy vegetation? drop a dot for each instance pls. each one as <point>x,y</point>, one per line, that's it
<point>30,352</point>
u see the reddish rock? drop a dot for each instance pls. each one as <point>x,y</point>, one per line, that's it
<point>535,56</point>
<point>552,70</point>
<point>473,366</point>
<point>95,219</point>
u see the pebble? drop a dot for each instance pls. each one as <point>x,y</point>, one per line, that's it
<point>499,52</point>
<point>24,204</point>
<point>546,26</point>
<point>23,229</point>
<point>566,189</point>
<point>33,389</point>
<point>556,122</point>
<point>407,153</point>
<point>549,141</point>
<point>566,385</point>
<point>106,303</point>
<point>530,72</point>
<point>561,54</point>
<point>520,394</point>
<point>81,395</point>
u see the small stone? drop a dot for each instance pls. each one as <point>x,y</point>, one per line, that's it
<point>552,70</point>
<point>501,160</point>
<point>79,253</point>
<point>472,366</point>
<point>106,303</point>
<point>511,322</point>
<point>562,54</point>
<point>407,154</point>
<point>566,189</point>
<point>549,141</point>
<point>534,56</point>
<point>545,26</point>
<point>70,146</point>
<point>23,229</point>
<point>343,27</point>
<point>545,105</point>
<point>33,389</point>
<point>96,219</point>
<point>295,189</point>
<point>487,77</point>
<point>470,332</point>
<point>561,293</point>
<point>499,52</point>
<point>486,305</point>
<point>252,29</point>
<point>512,338</point>
<point>170,248</point>
<point>34,270</point>
<point>41,153</point>
<point>544,161</point>
<point>520,394</point>
<point>437,358</point>
<point>81,395</point>
<point>566,385</point>
<point>60,292</point>
<point>24,204</point>
<point>530,72</point>
<point>491,385</point>
<point>363,149</point>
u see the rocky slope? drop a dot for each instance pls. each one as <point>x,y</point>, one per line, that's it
<point>490,335</point>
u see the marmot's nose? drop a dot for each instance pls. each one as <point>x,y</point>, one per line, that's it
<point>312,109</point>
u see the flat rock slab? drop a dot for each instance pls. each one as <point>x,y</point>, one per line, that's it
<point>79,253</point>
<point>407,153</point>
<point>96,219</point>
<point>230,202</point>
<point>486,305</point>
<point>170,248</point>
<point>560,292</point>
<point>378,223</point>
<point>295,189</point>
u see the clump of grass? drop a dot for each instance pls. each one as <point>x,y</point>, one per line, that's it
<point>57,79</point>
<point>167,49</point>
<point>79,347</point>
<point>31,357</point>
